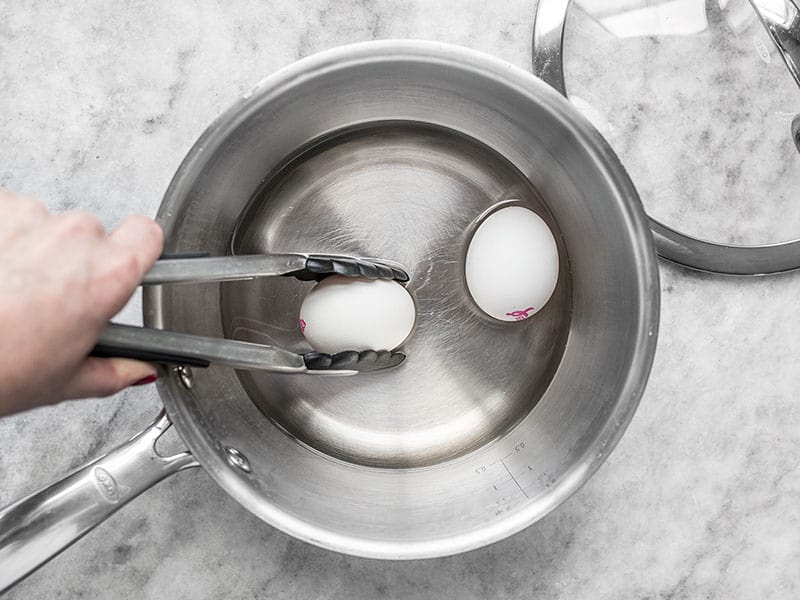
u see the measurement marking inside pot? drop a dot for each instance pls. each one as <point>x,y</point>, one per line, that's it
<point>510,474</point>
<point>517,449</point>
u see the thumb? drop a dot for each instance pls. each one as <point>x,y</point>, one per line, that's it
<point>98,377</point>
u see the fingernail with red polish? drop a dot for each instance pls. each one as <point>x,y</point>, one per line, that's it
<point>146,380</point>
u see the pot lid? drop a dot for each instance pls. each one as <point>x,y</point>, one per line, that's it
<point>699,99</point>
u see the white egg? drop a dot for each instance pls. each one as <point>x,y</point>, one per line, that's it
<point>345,313</point>
<point>512,264</point>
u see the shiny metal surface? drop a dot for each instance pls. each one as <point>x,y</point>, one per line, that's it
<point>147,343</point>
<point>230,353</point>
<point>38,527</point>
<point>796,131</point>
<point>184,373</point>
<point>416,192</point>
<point>395,149</point>
<point>781,19</point>
<point>688,251</point>
<point>222,268</point>
<point>235,268</point>
<point>237,459</point>
<point>548,40</point>
<point>169,347</point>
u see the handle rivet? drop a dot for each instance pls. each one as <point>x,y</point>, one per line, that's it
<point>237,459</point>
<point>184,373</point>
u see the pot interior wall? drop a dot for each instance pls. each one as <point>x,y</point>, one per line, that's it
<point>394,149</point>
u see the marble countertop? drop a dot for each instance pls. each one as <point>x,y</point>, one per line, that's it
<point>99,102</point>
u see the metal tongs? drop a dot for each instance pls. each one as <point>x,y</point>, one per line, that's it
<point>156,345</point>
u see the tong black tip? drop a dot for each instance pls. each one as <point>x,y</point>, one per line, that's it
<point>351,360</point>
<point>319,266</point>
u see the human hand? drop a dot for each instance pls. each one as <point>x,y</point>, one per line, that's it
<point>62,278</point>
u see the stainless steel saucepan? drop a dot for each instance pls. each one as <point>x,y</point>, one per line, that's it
<point>390,149</point>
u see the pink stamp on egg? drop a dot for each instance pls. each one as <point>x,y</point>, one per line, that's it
<point>519,315</point>
<point>302,326</point>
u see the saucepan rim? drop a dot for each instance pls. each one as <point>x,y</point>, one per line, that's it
<point>635,222</point>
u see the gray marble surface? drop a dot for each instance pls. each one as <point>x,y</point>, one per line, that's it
<point>701,499</point>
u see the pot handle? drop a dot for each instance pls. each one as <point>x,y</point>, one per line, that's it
<point>35,529</point>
